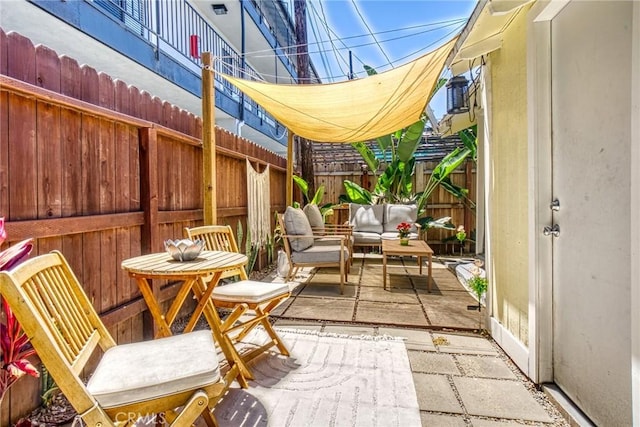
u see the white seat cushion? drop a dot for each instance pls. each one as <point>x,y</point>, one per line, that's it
<point>146,370</point>
<point>249,291</point>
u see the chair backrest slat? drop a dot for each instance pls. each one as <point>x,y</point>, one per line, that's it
<point>218,238</point>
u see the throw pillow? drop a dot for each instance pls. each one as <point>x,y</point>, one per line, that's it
<point>297,224</point>
<point>312,211</point>
<point>395,214</point>
<point>366,218</point>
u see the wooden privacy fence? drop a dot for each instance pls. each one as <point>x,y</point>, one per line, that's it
<point>103,172</point>
<point>440,204</point>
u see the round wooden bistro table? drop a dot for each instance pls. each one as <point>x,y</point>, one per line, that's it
<point>199,276</point>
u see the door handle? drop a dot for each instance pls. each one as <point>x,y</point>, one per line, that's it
<point>554,230</point>
<point>555,205</point>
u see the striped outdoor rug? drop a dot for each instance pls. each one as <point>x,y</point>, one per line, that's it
<point>329,380</point>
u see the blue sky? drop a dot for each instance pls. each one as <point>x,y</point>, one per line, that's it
<point>404,29</point>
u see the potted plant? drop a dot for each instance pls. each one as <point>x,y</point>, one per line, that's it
<point>404,228</point>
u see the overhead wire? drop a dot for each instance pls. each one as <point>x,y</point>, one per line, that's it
<point>326,26</point>
<point>355,6</point>
<point>325,62</point>
<point>444,37</point>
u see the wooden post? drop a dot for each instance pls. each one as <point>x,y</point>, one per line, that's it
<point>149,239</point>
<point>209,141</point>
<point>289,167</point>
<point>149,233</point>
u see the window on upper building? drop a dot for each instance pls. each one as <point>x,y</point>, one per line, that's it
<point>130,12</point>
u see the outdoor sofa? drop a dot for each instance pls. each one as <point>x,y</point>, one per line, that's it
<point>372,223</point>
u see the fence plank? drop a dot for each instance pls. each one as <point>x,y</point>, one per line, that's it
<point>23,198</point>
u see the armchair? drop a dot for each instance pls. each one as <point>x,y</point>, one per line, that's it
<point>302,250</point>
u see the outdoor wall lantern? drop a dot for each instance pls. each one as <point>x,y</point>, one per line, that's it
<point>219,9</point>
<point>457,95</point>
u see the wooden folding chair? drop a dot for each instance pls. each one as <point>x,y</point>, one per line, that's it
<point>244,295</point>
<point>147,379</point>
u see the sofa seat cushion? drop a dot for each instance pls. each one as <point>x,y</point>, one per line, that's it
<point>367,218</point>
<point>317,254</point>
<point>297,224</point>
<point>132,373</point>
<point>394,235</point>
<point>312,211</point>
<point>249,291</point>
<point>395,214</point>
<point>365,238</point>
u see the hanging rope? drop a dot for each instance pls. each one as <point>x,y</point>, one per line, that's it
<point>259,205</point>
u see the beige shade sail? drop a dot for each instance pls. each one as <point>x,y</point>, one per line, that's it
<point>355,110</point>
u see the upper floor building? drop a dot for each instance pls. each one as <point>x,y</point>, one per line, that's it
<point>156,46</point>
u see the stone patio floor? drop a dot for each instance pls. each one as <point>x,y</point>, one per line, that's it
<point>462,377</point>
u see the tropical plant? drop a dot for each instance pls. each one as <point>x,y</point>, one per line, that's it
<point>477,283</point>
<point>14,343</point>
<point>326,209</point>
<point>394,183</point>
<point>251,250</point>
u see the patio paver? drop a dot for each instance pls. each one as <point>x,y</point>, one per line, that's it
<point>401,295</point>
<point>414,339</point>
<point>390,313</point>
<point>435,394</point>
<point>499,399</point>
<point>459,343</point>
<point>485,366</point>
<point>334,309</point>
<point>432,363</point>
<point>440,420</point>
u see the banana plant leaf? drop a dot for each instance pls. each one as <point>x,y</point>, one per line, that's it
<point>357,194</point>
<point>409,141</point>
<point>384,142</point>
<point>302,185</point>
<point>470,140</point>
<point>367,155</point>
<point>449,163</point>
<point>455,190</point>
<point>443,223</point>
<point>317,198</point>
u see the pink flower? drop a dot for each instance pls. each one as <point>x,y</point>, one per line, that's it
<point>18,368</point>
<point>3,232</point>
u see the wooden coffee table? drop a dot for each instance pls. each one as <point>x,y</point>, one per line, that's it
<point>417,248</point>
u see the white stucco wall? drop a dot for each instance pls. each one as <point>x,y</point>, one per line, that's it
<point>508,177</point>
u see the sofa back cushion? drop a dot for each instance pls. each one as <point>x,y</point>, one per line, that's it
<point>312,211</point>
<point>395,214</point>
<point>366,217</point>
<point>297,224</point>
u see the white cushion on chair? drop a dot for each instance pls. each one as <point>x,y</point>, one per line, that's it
<point>150,369</point>
<point>249,291</point>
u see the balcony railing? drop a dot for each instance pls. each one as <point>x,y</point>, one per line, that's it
<point>169,25</point>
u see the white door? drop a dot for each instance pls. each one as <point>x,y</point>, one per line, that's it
<point>591,81</point>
